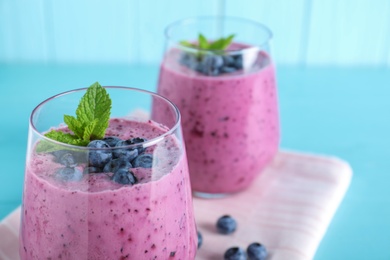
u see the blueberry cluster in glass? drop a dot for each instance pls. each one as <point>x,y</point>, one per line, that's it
<point>226,225</point>
<point>212,64</point>
<point>101,159</point>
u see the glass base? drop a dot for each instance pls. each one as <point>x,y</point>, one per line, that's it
<point>205,195</point>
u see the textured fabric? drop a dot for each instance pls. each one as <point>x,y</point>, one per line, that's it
<point>288,209</point>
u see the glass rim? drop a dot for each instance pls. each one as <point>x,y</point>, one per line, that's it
<point>146,143</point>
<point>195,19</point>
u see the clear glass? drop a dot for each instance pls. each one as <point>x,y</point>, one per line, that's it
<point>227,99</point>
<point>74,211</point>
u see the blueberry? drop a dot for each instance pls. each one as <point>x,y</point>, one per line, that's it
<point>68,174</point>
<point>190,60</point>
<point>78,156</point>
<point>124,176</point>
<point>238,61</point>
<point>91,169</point>
<point>125,152</point>
<point>115,164</point>
<point>144,161</point>
<point>68,160</point>
<point>256,251</point>
<point>98,158</point>
<point>226,224</point>
<point>111,140</point>
<point>226,69</point>
<point>211,65</point>
<point>138,140</point>
<point>234,253</point>
<point>200,239</point>
<point>228,60</point>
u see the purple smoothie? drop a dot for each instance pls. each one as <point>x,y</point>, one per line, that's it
<point>96,218</point>
<point>230,121</point>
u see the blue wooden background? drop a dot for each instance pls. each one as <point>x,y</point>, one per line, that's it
<point>306,32</point>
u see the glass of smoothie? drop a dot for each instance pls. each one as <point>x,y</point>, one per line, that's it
<point>109,181</point>
<point>220,73</point>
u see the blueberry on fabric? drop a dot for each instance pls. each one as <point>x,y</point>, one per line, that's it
<point>256,251</point>
<point>99,158</point>
<point>200,239</point>
<point>129,153</point>
<point>144,161</point>
<point>124,176</point>
<point>234,253</point>
<point>226,224</point>
<point>111,140</point>
<point>68,174</point>
<point>68,160</point>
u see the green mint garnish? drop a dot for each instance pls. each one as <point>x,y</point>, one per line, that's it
<point>91,121</point>
<point>204,44</point>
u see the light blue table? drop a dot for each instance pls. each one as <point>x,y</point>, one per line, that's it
<point>337,111</point>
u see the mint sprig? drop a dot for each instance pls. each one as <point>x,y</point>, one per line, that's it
<point>203,44</point>
<point>91,121</point>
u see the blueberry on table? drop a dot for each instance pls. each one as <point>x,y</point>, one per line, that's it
<point>129,153</point>
<point>99,158</point>
<point>144,161</point>
<point>234,253</point>
<point>200,239</point>
<point>256,251</point>
<point>124,176</point>
<point>226,224</point>
<point>68,174</point>
<point>111,140</point>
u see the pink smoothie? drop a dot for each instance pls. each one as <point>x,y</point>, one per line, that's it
<point>230,121</point>
<point>96,218</point>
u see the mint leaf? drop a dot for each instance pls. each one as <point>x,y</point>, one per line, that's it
<point>203,44</point>
<point>187,44</point>
<point>89,130</point>
<point>202,41</point>
<point>91,121</point>
<point>74,125</point>
<point>95,104</point>
<point>65,138</point>
<point>227,41</point>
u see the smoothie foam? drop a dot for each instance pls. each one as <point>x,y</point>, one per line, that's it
<point>97,218</point>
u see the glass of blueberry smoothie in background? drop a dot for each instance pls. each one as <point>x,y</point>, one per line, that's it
<point>106,181</point>
<point>220,73</point>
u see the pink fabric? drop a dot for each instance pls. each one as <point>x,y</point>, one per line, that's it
<point>288,209</point>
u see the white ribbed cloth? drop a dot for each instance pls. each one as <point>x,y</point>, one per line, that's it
<point>288,209</point>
